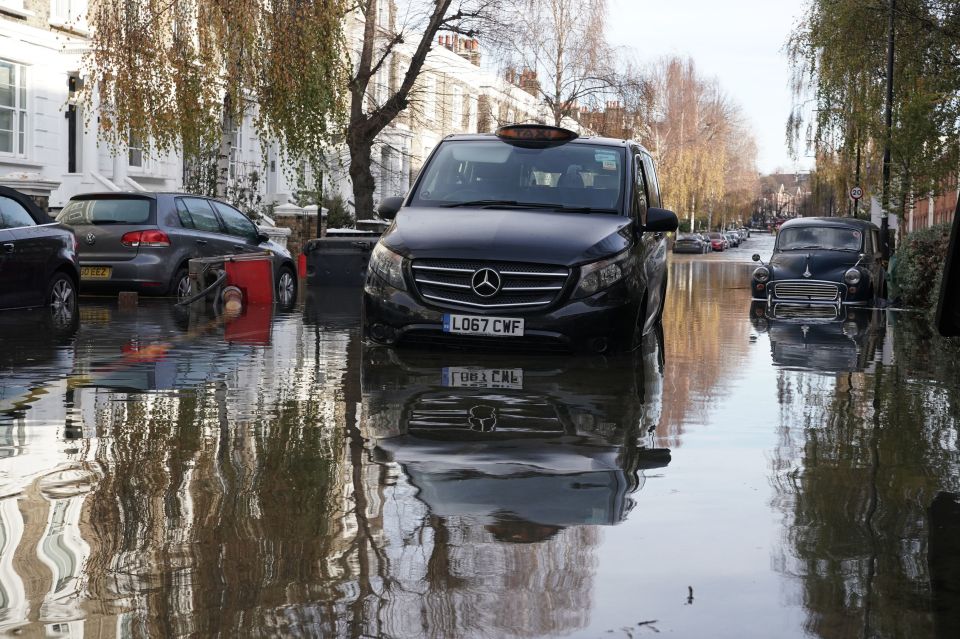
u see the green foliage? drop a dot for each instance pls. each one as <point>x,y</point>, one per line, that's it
<point>203,173</point>
<point>919,266</point>
<point>174,73</point>
<point>338,215</point>
<point>838,52</point>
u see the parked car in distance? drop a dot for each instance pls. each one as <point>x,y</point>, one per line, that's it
<point>690,243</point>
<point>38,259</point>
<point>733,237</point>
<point>718,242</point>
<point>822,260</point>
<point>144,241</point>
<point>530,237</point>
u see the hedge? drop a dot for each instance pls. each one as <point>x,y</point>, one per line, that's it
<point>919,267</point>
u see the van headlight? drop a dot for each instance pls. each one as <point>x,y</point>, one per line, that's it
<point>388,266</point>
<point>597,276</point>
<point>852,277</point>
<point>761,274</point>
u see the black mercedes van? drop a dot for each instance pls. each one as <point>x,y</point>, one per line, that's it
<point>531,237</point>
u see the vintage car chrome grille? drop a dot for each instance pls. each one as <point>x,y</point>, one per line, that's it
<point>807,291</point>
<point>805,311</point>
<point>524,287</point>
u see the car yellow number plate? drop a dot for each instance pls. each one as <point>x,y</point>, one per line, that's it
<point>95,272</point>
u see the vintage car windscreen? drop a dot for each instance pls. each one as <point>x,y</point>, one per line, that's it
<point>541,176</point>
<point>831,238</point>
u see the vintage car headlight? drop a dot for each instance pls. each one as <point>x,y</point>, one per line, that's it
<point>597,276</point>
<point>388,265</point>
<point>761,274</point>
<point>852,276</point>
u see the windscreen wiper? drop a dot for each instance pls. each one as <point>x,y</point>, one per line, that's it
<point>586,209</point>
<point>481,203</point>
<point>531,205</point>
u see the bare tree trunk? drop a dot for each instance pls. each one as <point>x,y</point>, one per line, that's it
<point>361,176</point>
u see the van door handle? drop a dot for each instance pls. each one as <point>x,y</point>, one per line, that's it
<point>8,248</point>
<point>201,241</point>
<point>239,247</point>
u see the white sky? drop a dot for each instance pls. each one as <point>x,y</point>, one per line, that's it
<point>740,42</point>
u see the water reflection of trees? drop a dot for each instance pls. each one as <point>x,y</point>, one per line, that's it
<point>860,459</point>
<point>211,521</point>
<point>704,347</point>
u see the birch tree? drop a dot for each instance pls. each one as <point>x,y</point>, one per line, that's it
<point>175,75</point>
<point>564,42</point>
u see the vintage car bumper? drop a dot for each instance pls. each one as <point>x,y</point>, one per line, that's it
<point>811,292</point>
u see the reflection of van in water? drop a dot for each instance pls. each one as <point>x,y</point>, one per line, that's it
<point>517,442</point>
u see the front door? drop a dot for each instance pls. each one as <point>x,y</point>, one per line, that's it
<point>8,275</point>
<point>243,234</point>
<point>201,227</point>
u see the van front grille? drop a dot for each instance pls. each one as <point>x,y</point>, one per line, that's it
<point>522,287</point>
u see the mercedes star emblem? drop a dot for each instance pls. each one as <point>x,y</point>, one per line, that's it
<point>91,238</point>
<point>483,418</point>
<point>485,282</point>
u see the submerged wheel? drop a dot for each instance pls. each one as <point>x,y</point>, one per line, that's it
<point>180,284</point>
<point>286,288</point>
<point>61,299</point>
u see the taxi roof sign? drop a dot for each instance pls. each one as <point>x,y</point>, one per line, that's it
<point>535,133</point>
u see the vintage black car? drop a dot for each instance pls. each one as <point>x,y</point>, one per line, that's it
<point>817,260</point>
<point>532,237</point>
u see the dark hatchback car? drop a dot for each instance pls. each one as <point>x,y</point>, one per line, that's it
<point>144,241</point>
<point>691,243</point>
<point>38,259</point>
<point>529,237</point>
<point>822,260</point>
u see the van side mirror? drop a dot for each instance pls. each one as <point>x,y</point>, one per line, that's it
<point>661,221</point>
<point>389,207</point>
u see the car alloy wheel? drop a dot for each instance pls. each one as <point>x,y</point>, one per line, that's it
<point>183,286</point>
<point>286,289</point>
<point>63,300</point>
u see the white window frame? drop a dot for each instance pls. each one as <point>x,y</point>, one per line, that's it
<point>383,13</point>
<point>456,107</point>
<point>429,97</point>
<point>135,145</point>
<point>15,7</point>
<point>20,133</point>
<point>69,13</point>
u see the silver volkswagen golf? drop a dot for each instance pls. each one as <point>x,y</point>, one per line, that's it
<point>144,241</point>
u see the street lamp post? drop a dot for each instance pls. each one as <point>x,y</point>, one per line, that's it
<point>885,195</point>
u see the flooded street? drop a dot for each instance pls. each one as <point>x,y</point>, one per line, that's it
<point>738,476</point>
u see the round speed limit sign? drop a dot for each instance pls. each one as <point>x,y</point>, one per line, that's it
<point>856,193</point>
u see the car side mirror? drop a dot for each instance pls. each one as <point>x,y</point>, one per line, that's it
<point>262,237</point>
<point>756,257</point>
<point>389,207</point>
<point>661,221</point>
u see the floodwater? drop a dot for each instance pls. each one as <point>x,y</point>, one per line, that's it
<point>738,476</point>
